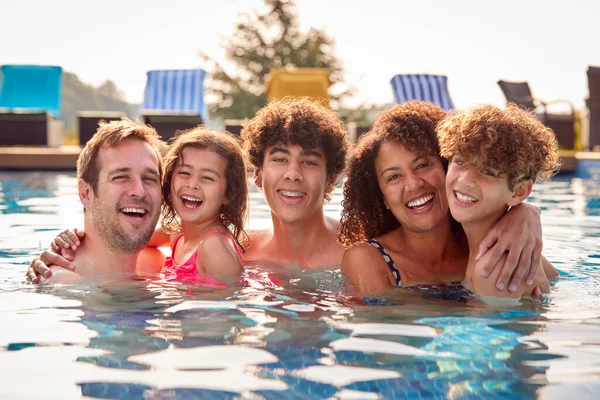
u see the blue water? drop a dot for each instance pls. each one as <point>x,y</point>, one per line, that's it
<point>305,339</point>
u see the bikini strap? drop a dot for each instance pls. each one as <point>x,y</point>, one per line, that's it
<point>388,260</point>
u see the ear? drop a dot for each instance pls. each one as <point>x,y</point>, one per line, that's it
<point>521,191</point>
<point>86,194</point>
<point>330,186</point>
<point>258,177</point>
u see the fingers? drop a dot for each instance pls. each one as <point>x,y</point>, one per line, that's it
<point>524,266</point>
<point>68,239</point>
<point>49,258</point>
<point>488,242</point>
<point>40,269</point>
<point>537,294</point>
<point>512,260</point>
<point>494,255</point>
<point>31,275</point>
<point>536,261</point>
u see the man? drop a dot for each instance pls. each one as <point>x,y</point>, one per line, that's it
<point>119,183</point>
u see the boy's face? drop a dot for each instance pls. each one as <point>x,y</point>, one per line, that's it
<point>475,194</point>
<point>294,181</point>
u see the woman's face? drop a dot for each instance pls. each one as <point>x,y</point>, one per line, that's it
<point>413,187</point>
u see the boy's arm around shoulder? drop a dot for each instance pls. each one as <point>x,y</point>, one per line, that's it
<point>487,286</point>
<point>362,267</point>
<point>217,256</point>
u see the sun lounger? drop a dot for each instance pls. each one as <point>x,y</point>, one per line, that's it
<point>424,87</point>
<point>30,99</point>
<point>174,100</point>
<point>298,82</point>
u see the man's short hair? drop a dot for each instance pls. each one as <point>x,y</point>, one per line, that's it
<point>297,121</point>
<point>110,134</point>
<point>513,142</point>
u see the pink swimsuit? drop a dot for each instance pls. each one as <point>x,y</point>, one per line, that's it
<point>188,272</point>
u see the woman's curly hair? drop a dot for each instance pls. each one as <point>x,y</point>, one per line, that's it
<point>410,124</point>
<point>512,141</point>
<point>297,121</point>
<point>234,213</point>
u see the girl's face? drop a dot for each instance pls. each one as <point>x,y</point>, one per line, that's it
<point>198,185</point>
<point>413,187</point>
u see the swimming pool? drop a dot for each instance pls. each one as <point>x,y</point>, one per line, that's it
<point>160,340</point>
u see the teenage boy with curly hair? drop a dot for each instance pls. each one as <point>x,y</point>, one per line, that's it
<point>298,149</point>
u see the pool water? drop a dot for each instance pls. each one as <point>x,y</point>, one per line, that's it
<point>305,339</point>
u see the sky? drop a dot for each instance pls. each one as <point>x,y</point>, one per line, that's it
<point>474,42</point>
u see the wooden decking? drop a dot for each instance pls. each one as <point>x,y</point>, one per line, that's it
<point>65,157</point>
<point>39,158</point>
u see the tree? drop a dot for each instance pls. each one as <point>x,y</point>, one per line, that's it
<point>262,41</point>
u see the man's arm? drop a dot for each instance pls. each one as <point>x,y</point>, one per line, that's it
<point>519,232</point>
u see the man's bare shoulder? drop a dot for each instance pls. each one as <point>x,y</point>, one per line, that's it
<point>62,275</point>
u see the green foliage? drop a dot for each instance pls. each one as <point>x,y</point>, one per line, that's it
<point>78,96</point>
<point>262,41</point>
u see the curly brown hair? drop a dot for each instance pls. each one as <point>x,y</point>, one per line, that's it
<point>297,121</point>
<point>411,124</point>
<point>233,214</point>
<point>512,141</point>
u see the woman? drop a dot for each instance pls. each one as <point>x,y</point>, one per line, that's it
<point>395,219</point>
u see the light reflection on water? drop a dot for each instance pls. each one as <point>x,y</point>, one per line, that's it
<point>158,339</point>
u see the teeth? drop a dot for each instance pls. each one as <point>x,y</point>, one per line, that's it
<point>188,198</point>
<point>464,198</point>
<point>420,202</point>
<point>132,210</point>
<point>291,194</point>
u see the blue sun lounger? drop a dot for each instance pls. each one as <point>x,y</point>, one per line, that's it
<point>30,100</point>
<point>424,87</point>
<point>174,100</point>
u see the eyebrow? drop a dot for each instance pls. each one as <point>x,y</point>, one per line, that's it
<point>416,160</point>
<point>312,153</point>
<point>212,171</point>
<point>127,169</point>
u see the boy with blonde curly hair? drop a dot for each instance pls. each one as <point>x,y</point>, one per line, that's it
<point>495,156</point>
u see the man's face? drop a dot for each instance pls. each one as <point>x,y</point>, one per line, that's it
<point>126,206</point>
<point>294,181</point>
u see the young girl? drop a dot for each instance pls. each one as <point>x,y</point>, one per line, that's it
<point>205,204</point>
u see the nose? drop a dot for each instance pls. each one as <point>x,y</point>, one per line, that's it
<point>413,182</point>
<point>466,177</point>
<point>293,172</point>
<point>136,187</point>
<point>192,183</point>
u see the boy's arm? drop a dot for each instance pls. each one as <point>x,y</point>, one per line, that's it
<point>519,232</point>
<point>487,287</point>
<point>549,269</point>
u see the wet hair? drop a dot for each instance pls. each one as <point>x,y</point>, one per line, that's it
<point>297,121</point>
<point>111,134</point>
<point>513,142</point>
<point>234,213</point>
<point>411,124</point>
